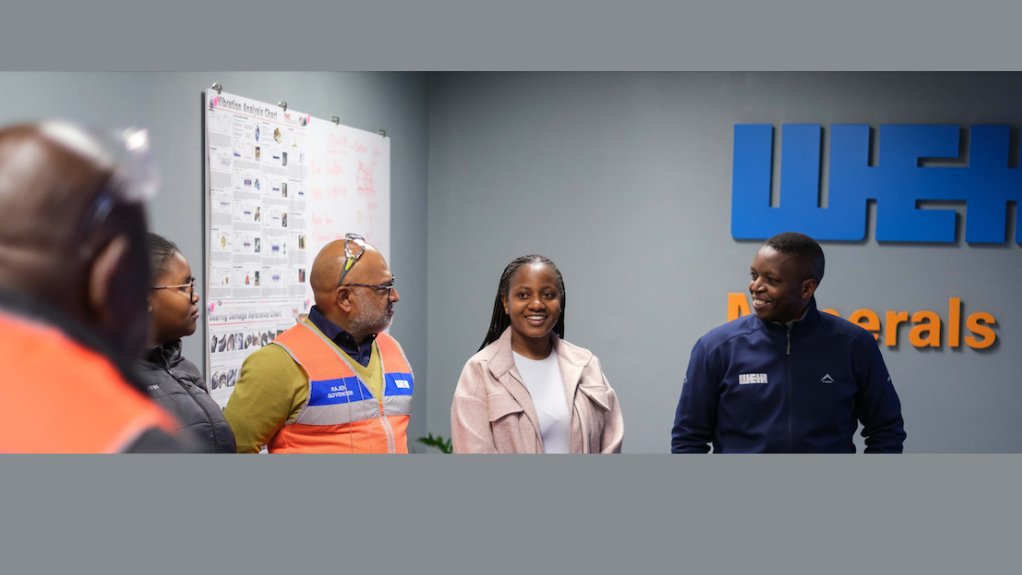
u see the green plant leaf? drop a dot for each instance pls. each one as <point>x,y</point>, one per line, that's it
<point>439,442</point>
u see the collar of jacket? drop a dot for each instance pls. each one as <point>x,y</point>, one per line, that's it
<point>799,328</point>
<point>168,352</point>
<point>571,360</point>
<point>30,307</point>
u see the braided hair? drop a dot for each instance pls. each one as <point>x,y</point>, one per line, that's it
<point>500,320</point>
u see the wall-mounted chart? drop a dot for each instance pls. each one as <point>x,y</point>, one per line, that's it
<point>280,184</point>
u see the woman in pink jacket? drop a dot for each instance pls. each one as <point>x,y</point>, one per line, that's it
<point>527,390</point>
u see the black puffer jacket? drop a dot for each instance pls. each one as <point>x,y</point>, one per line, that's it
<point>177,385</point>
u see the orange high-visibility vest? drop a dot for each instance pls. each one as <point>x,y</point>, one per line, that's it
<point>57,396</point>
<point>342,416</point>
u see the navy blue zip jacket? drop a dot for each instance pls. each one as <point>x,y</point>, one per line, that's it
<point>760,387</point>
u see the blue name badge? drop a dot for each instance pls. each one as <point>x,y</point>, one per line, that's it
<point>399,384</point>
<point>335,391</point>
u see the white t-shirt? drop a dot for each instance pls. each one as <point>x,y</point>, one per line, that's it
<point>542,377</point>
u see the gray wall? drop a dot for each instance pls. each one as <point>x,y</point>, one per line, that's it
<point>171,106</point>
<point>624,180</point>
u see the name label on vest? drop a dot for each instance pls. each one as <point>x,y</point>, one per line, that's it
<point>399,384</point>
<point>335,391</point>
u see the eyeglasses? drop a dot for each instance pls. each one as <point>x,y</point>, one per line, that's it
<point>181,288</point>
<point>380,289</point>
<point>359,244</point>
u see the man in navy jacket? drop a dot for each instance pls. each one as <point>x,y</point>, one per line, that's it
<point>787,378</point>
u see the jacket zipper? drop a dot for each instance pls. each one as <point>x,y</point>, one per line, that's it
<point>388,431</point>
<point>791,390</point>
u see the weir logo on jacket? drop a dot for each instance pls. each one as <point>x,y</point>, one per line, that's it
<point>342,414</point>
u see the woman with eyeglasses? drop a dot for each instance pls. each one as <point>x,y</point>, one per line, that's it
<point>174,382</point>
<point>528,390</point>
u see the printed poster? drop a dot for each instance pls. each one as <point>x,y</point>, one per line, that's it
<point>280,185</point>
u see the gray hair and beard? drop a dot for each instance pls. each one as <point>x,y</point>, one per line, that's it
<point>370,319</point>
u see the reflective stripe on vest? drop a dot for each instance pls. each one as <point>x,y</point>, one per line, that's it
<point>57,396</point>
<point>342,415</point>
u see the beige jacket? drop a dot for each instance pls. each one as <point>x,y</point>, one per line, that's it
<point>492,411</point>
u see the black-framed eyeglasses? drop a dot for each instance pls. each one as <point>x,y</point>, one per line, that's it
<point>181,288</point>
<point>380,289</point>
<point>354,247</point>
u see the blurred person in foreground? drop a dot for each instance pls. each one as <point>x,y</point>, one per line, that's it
<point>74,277</point>
<point>333,383</point>
<point>527,390</point>
<point>171,380</point>
<point>787,378</point>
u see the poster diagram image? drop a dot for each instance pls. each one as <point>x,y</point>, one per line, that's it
<point>223,379</point>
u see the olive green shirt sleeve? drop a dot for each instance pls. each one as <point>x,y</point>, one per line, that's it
<point>271,391</point>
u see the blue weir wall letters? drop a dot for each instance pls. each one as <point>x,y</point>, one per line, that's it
<point>986,183</point>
